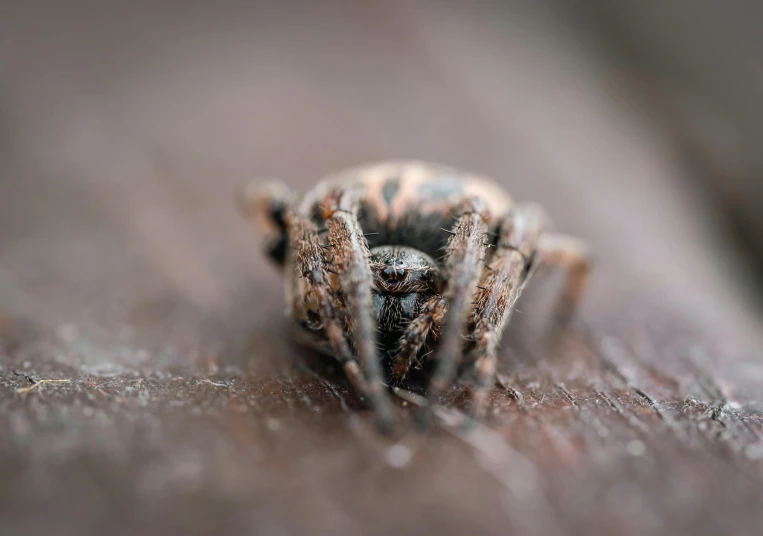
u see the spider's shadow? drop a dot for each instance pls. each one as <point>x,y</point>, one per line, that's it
<point>328,368</point>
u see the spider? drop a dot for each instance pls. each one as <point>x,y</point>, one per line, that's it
<point>398,264</point>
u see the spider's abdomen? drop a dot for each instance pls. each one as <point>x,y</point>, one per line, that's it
<point>407,203</point>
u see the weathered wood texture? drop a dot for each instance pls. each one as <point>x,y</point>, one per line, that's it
<point>125,270</point>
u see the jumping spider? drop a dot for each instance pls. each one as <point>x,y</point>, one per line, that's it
<point>367,281</point>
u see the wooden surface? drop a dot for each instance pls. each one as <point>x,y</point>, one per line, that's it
<point>125,271</point>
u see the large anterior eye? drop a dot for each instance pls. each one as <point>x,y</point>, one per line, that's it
<point>394,272</point>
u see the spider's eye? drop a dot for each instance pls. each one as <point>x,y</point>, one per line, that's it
<point>394,272</point>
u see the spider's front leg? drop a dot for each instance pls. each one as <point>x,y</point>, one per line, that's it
<point>310,265</point>
<point>351,257</point>
<point>510,270</point>
<point>522,246</point>
<point>464,261</point>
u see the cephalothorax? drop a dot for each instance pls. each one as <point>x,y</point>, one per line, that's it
<point>401,263</point>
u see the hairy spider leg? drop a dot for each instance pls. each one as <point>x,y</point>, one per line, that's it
<point>463,265</point>
<point>574,256</point>
<point>510,270</point>
<point>351,259</point>
<point>416,335</point>
<point>309,263</point>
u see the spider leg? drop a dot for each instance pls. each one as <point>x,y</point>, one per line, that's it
<point>510,270</point>
<point>351,254</point>
<point>573,255</point>
<point>464,261</point>
<point>310,265</point>
<point>416,334</point>
<point>264,204</point>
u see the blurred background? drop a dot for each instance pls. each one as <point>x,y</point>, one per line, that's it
<point>127,127</point>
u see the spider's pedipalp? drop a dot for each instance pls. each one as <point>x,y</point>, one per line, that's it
<point>416,334</point>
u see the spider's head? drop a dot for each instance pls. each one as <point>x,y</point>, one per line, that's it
<point>402,270</point>
<point>264,203</point>
<point>403,279</point>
